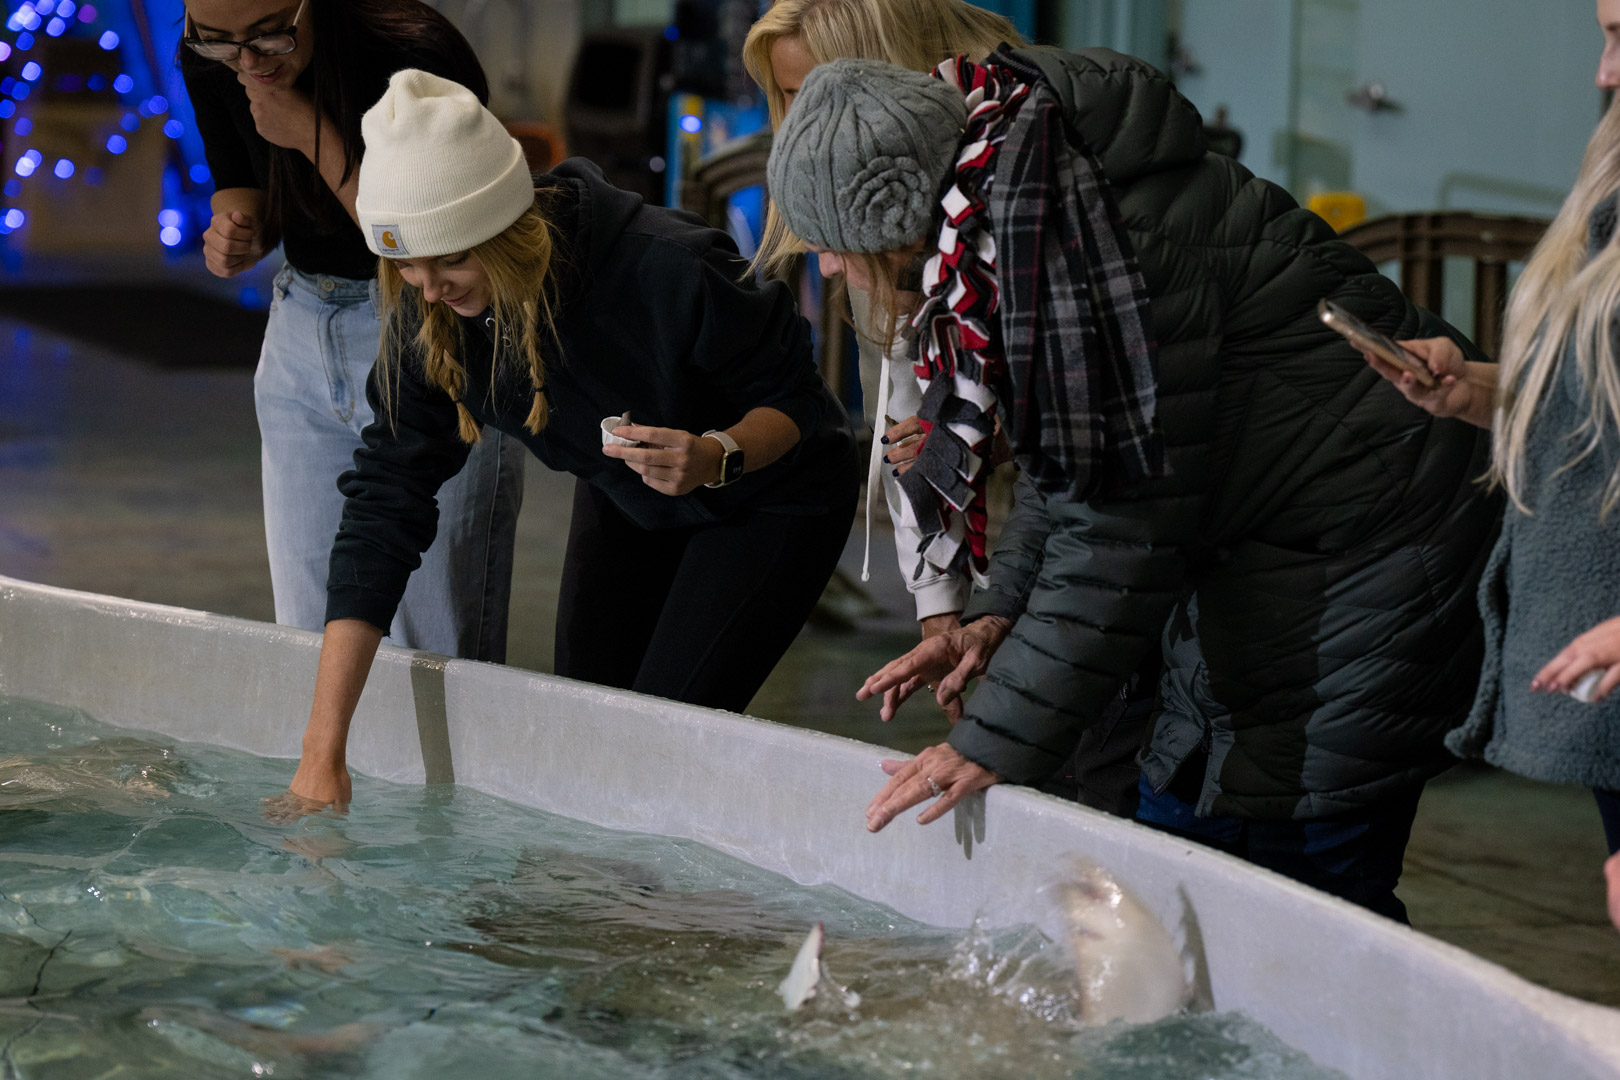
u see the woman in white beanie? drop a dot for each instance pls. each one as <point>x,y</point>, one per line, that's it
<point>712,502</point>
<point>279,87</point>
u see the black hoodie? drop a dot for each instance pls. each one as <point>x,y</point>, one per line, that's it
<point>652,320</point>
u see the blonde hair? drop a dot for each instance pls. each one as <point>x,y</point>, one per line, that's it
<point>520,266</point>
<point>915,34</point>
<point>1565,297</point>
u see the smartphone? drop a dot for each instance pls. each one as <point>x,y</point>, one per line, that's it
<point>1369,340</point>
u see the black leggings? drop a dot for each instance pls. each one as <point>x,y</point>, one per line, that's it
<point>698,614</point>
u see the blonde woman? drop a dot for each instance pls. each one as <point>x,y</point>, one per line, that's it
<point>1551,591</point>
<point>703,531</point>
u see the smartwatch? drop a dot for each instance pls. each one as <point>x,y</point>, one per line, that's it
<point>731,461</point>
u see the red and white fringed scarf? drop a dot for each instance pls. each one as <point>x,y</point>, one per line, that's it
<point>1034,306</point>
<point>957,340</point>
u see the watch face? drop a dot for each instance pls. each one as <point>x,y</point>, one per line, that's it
<point>731,469</point>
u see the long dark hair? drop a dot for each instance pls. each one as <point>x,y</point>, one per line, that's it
<point>348,34</point>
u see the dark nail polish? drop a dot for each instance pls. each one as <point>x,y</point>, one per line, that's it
<point>885,440</point>
<point>886,460</point>
<point>896,472</point>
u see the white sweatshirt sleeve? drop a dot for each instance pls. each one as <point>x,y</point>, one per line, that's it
<point>891,393</point>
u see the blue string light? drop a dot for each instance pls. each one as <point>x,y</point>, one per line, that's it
<point>7,108</point>
<point>64,169</point>
<point>25,42</point>
<point>117,144</point>
<point>23,126</point>
<point>174,129</point>
<point>56,27</point>
<point>123,84</point>
<point>31,71</point>
<point>108,41</point>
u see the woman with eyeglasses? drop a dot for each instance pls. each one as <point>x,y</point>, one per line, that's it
<point>279,89</point>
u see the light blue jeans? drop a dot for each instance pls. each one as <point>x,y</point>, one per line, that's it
<point>310,392</point>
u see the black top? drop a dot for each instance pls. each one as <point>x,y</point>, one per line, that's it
<point>656,316</point>
<point>240,158</point>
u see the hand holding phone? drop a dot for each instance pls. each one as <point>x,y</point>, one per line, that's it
<point>1368,340</point>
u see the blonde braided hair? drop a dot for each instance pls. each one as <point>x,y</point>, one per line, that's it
<point>520,264</point>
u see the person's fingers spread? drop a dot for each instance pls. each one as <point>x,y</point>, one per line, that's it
<point>892,700</point>
<point>893,765</point>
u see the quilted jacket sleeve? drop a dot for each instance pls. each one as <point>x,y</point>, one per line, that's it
<point>1103,586</point>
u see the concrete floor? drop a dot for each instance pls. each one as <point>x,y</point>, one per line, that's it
<point>119,478</point>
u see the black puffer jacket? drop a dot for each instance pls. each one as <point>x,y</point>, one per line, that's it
<point>1308,567</point>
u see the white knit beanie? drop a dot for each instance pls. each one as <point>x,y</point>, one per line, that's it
<point>440,173</point>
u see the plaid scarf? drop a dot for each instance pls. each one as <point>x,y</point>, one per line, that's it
<point>1034,309</point>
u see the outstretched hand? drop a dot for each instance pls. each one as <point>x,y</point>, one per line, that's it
<point>1598,648</point>
<point>948,660</point>
<point>669,460</point>
<point>937,771</point>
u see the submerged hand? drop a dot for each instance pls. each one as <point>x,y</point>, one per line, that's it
<point>670,461</point>
<point>314,788</point>
<point>1599,647</point>
<point>912,782</point>
<point>948,660</point>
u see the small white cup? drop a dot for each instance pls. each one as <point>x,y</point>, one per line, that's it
<point>610,439</point>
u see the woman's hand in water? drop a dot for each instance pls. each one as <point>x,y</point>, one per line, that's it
<point>316,786</point>
<point>902,444</point>
<point>1463,390</point>
<point>670,461</point>
<point>946,661</point>
<point>284,118</point>
<point>938,770</point>
<point>1598,648</point>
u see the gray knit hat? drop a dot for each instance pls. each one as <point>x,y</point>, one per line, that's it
<point>859,159</point>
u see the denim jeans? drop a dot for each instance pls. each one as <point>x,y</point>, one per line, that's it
<point>310,393</point>
<point>1356,856</point>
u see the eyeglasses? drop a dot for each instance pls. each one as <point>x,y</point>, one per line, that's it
<point>276,43</point>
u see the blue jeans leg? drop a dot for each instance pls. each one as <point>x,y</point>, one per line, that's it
<point>1357,855</point>
<point>309,390</point>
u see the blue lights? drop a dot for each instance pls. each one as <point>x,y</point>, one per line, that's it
<point>24,126</point>
<point>28,163</point>
<point>93,176</point>
<point>7,108</point>
<point>32,71</point>
<point>672,32</point>
<point>123,84</point>
<point>64,169</point>
<point>13,220</point>
<point>12,188</point>
<point>130,122</point>
<point>21,91</point>
<point>44,7</point>
<point>87,13</point>
<point>174,129</point>
<point>65,9</point>
<point>200,174</point>
<point>5,51</point>
<point>96,82</point>
<point>7,85</point>
<point>108,41</point>
<point>25,18</point>
<point>169,219</point>
<point>158,104</point>
<point>171,237</point>
<point>691,124</point>
<point>25,42</point>
<point>55,27</point>
<point>117,144</point>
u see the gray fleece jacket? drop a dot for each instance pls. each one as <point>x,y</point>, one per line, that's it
<point>1554,574</point>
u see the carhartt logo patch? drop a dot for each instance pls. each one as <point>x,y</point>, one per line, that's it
<point>388,241</point>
